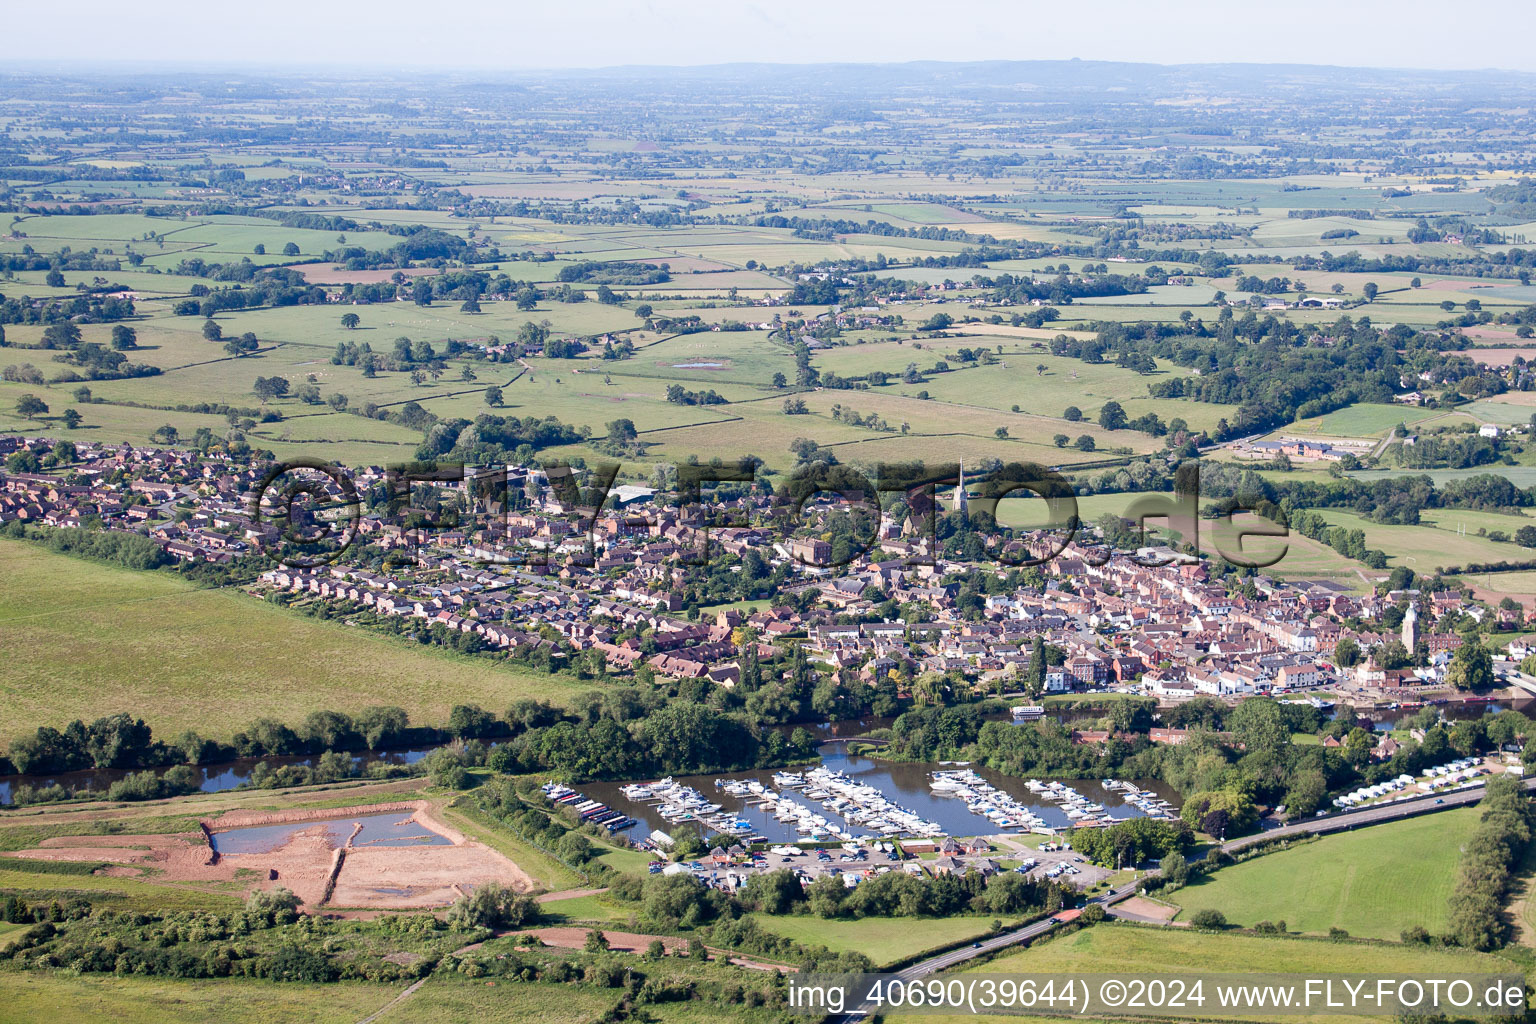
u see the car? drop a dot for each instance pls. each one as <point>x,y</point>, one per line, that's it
<point>1439,801</point>
<point>975,945</point>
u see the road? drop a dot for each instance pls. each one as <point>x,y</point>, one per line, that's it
<point>944,961</point>
<point>1366,816</point>
<point>1314,826</point>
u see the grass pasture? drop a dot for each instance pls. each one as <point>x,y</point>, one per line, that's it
<point>1362,420</point>
<point>1423,547</point>
<point>883,940</point>
<point>112,640</point>
<point>450,999</point>
<point>1373,883</point>
<point>30,996</point>
<point>1151,952</point>
<point>124,894</point>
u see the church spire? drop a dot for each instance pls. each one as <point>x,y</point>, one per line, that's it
<point>1411,627</point>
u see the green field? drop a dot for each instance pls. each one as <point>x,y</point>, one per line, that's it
<point>1165,952</point>
<point>109,640</point>
<point>30,996</point>
<point>1424,547</point>
<point>1014,380</point>
<point>1505,411</point>
<point>1373,883</point>
<point>883,940</point>
<point>454,1000</point>
<point>144,896</point>
<point>1362,420</point>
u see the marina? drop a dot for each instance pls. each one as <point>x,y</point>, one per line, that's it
<point>588,811</point>
<point>849,796</point>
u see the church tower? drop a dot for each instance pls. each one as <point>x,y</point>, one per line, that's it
<point>1411,628</point>
<point>960,505</point>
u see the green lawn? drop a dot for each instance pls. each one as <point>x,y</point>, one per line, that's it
<point>1372,883</point>
<point>105,640</point>
<point>633,861</point>
<point>884,940</point>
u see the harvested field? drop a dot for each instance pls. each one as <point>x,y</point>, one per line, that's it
<point>1501,356</point>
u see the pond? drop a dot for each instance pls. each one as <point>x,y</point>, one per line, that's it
<point>393,828</point>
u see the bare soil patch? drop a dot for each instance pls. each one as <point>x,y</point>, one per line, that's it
<point>620,942</point>
<point>378,877</point>
<point>1151,909</point>
<point>374,877</point>
<point>184,856</point>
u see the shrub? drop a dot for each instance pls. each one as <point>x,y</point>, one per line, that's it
<point>1209,920</point>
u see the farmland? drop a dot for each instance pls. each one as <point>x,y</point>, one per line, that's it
<point>1149,952</point>
<point>723,262</point>
<point>117,640</point>
<point>1117,271</point>
<point>1374,883</point>
<point>883,940</point>
<point>1437,541</point>
<point>33,996</point>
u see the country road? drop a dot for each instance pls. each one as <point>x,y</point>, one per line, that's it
<point>1315,826</point>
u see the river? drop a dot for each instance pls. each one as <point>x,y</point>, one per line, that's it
<point>216,778</point>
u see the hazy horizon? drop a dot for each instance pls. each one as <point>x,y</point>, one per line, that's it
<point>286,34</point>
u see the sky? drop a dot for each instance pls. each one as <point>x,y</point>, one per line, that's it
<point>515,35</point>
